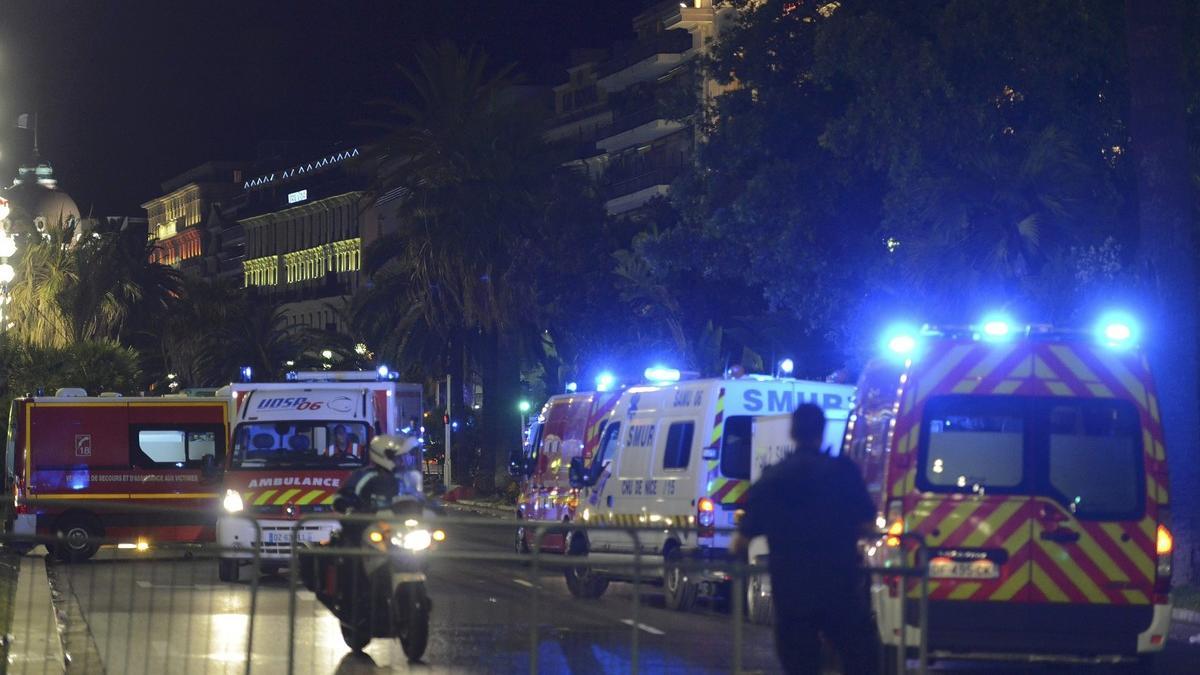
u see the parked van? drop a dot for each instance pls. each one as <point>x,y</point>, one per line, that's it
<point>72,460</point>
<point>771,442</point>
<point>568,427</point>
<point>678,455</point>
<point>293,443</point>
<point>1031,462</point>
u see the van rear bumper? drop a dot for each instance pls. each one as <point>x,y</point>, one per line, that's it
<point>1031,631</point>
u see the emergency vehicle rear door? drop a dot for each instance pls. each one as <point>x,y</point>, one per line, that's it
<point>973,504</point>
<point>1093,534</point>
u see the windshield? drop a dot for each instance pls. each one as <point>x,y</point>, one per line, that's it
<point>312,445</point>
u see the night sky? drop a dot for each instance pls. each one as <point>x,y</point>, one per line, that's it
<point>132,92</point>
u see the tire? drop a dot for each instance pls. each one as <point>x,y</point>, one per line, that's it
<point>581,580</point>
<point>79,537</point>
<point>521,542</point>
<point>414,630</point>
<point>760,608</point>
<point>228,570</point>
<point>680,591</point>
<point>357,637</point>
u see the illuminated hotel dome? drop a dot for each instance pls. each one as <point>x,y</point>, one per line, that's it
<point>37,204</point>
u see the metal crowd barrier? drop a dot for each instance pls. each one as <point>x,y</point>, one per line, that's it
<point>161,608</point>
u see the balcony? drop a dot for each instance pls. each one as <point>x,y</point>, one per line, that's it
<point>645,60</point>
<point>630,193</point>
<point>690,17</point>
<point>636,128</point>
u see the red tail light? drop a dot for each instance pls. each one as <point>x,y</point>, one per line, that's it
<point>706,516</point>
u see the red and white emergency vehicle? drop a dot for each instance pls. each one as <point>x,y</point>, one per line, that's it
<point>293,443</point>
<point>1031,462</point>
<point>73,461</point>
<point>568,426</point>
<point>675,454</point>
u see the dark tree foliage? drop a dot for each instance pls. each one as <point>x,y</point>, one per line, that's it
<point>930,160</point>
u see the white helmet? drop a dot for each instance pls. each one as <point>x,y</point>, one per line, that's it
<point>385,449</point>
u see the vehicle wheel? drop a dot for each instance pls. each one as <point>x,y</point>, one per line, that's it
<point>414,628</point>
<point>581,580</point>
<point>356,637</point>
<point>759,608</point>
<point>681,591</point>
<point>78,538</point>
<point>228,570</point>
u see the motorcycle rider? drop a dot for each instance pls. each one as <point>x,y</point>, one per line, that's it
<point>375,486</point>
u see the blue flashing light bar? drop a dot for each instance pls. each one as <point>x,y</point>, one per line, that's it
<point>383,371</point>
<point>786,366</point>
<point>662,374</point>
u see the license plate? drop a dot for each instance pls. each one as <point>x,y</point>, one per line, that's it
<point>944,568</point>
<point>279,537</point>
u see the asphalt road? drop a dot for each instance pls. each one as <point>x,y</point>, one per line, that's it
<point>159,613</point>
<point>163,612</point>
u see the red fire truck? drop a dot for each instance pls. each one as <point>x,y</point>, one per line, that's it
<point>73,461</point>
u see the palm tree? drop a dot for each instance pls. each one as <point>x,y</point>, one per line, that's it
<point>470,166</point>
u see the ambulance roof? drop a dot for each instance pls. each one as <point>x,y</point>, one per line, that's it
<point>760,395</point>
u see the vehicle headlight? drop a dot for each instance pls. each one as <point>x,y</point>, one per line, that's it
<point>232,501</point>
<point>417,540</point>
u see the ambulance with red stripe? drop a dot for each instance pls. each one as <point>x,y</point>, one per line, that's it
<point>1031,462</point>
<point>568,426</point>
<point>675,453</point>
<point>292,445</point>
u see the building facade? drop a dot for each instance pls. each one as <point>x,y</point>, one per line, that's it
<point>185,222</point>
<point>628,112</point>
<point>304,225</point>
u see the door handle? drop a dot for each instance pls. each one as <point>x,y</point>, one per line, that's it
<point>1062,535</point>
<point>609,500</point>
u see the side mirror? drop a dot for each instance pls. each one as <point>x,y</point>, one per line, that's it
<point>208,466</point>
<point>577,474</point>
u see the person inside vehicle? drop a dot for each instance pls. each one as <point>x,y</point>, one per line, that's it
<point>812,508</point>
<point>342,447</point>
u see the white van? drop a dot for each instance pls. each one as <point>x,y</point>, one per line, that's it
<point>771,441</point>
<point>677,455</point>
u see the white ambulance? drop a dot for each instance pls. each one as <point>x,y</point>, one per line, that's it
<point>676,455</point>
<point>771,441</point>
<point>292,444</point>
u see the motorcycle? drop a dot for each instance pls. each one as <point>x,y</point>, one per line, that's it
<point>380,591</point>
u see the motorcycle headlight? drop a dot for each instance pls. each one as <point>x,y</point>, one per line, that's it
<point>232,501</point>
<point>417,540</point>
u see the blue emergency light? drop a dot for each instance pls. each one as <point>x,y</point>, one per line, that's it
<point>605,381</point>
<point>900,340</point>
<point>572,387</point>
<point>659,374</point>
<point>247,373</point>
<point>786,366</point>
<point>383,372</point>
<point>997,328</point>
<point>1117,330</point>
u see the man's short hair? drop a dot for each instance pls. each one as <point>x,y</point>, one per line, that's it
<point>808,423</point>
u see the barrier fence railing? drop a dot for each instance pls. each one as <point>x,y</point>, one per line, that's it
<point>160,607</point>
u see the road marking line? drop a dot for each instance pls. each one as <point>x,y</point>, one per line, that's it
<point>141,583</point>
<point>524,583</point>
<point>641,626</point>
